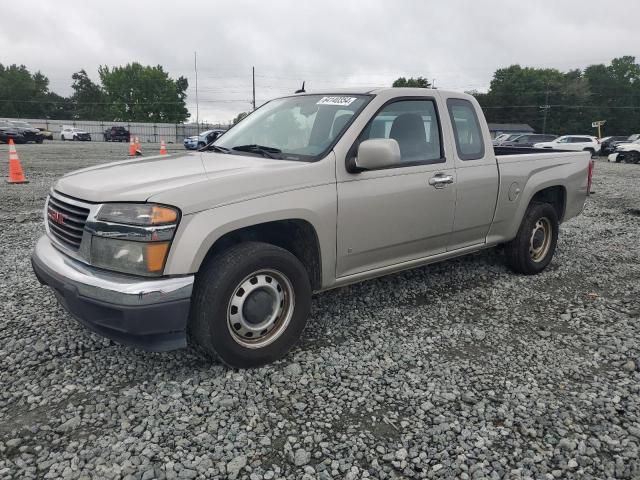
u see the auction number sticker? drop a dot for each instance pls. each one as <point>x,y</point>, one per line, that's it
<point>340,101</point>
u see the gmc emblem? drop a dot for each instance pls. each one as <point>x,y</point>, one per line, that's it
<point>56,217</point>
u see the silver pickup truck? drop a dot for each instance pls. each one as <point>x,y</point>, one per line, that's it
<point>224,247</point>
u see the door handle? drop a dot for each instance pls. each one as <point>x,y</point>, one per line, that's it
<point>440,180</point>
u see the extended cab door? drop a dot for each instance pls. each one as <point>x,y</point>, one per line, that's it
<point>477,178</point>
<point>403,213</point>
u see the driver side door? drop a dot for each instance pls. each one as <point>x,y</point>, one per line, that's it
<point>393,215</point>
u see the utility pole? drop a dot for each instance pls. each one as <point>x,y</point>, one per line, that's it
<point>546,110</point>
<point>253,81</point>
<point>195,66</point>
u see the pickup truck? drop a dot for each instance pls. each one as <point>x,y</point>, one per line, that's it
<point>116,134</point>
<point>223,248</point>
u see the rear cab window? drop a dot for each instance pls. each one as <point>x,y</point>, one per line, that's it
<point>466,129</point>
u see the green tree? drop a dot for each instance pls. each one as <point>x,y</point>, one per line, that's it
<point>22,94</point>
<point>88,100</point>
<point>239,117</point>
<point>418,82</point>
<point>144,94</point>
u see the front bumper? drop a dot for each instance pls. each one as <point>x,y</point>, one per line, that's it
<point>148,313</point>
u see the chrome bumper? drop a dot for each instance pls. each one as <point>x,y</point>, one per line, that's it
<point>110,287</point>
<point>148,313</point>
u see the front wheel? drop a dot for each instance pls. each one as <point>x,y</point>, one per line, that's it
<point>533,248</point>
<point>250,304</point>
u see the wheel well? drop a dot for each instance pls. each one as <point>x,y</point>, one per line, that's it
<point>294,235</point>
<point>555,196</point>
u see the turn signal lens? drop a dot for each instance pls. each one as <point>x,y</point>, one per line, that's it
<point>161,215</point>
<point>156,254</point>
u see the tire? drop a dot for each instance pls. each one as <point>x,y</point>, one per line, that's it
<point>222,316</point>
<point>632,157</point>
<point>200,145</point>
<point>533,248</point>
<point>591,151</point>
<point>62,138</point>
<point>74,138</point>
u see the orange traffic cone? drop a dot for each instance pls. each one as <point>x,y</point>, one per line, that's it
<point>15,169</point>
<point>132,148</point>
<point>163,148</point>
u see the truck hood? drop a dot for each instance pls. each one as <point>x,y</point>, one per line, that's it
<point>192,182</point>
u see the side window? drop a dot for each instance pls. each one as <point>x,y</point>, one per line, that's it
<point>466,129</point>
<point>414,124</point>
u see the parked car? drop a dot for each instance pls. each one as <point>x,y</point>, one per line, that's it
<point>500,138</point>
<point>199,141</point>
<point>8,131</point>
<point>72,133</point>
<point>116,134</point>
<point>29,133</point>
<point>508,137</point>
<point>529,140</point>
<point>229,245</point>
<point>46,134</point>
<point>626,152</point>
<point>575,143</point>
<point>607,144</point>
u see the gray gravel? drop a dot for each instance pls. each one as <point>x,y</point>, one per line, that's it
<point>460,369</point>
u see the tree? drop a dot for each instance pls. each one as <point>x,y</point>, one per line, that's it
<point>88,99</point>
<point>239,117</point>
<point>140,93</point>
<point>419,82</point>
<point>22,94</point>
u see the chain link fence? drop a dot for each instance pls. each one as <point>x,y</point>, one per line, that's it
<point>146,132</point>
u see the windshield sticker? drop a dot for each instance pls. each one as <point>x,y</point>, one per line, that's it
<point>340,101</point>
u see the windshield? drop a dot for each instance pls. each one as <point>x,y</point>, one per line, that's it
<point>294,128</point>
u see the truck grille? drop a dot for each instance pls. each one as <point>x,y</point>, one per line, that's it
<point>66,221</point>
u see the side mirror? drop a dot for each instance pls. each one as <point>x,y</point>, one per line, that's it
<point>378,153</point>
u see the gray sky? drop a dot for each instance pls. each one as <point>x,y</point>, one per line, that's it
<point>330,44</point>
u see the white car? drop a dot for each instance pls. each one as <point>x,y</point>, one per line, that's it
<point>626,152</point>
<point>72,133</point>
<point>198,141</point>
<point>576,143</point>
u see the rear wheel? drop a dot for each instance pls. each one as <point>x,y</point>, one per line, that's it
<point>533,248</point>
<point>250,304</point>
<point>632,157</point>
<point>591,151</point>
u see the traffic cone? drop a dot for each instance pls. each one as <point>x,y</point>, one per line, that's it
<point>15,169</point>
<point>132,148</point>
<point>163,148</point>
<point>138,147</point>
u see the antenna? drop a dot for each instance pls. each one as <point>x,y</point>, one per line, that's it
<point>302,90</point>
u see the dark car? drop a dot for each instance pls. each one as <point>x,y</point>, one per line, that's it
<point>30,134</point>
<point>116,134</point>
<point>8,131</point>
<point>529,139</point>
<point>608,145</point>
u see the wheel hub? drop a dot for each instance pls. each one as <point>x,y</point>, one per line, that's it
<point>540,241</point>
<point>260,308</point>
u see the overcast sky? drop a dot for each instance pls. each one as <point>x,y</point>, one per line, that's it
<point>328,43</point>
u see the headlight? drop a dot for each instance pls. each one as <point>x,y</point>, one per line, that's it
<point>138,258</point>
<point>132,238</point>
<point>137,214</point>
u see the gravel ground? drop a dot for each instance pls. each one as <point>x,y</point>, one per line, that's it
<point>460,369</point>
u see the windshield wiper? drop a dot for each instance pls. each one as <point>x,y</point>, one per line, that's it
<point>261,149</point>
<point>215,148</point>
